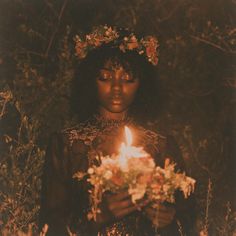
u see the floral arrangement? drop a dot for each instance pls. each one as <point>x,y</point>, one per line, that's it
<point>146,46</point>
<point>134,170</point>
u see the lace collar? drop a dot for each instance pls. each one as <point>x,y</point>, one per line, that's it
<point>102,122</point>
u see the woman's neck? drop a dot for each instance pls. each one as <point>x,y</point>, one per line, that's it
<point>107,115</point>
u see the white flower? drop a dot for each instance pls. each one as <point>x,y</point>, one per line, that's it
<point>166,187</point>
<point>168,174</point>
<point>108,174</point>
<point>90,170</point>
<point>138,192</point>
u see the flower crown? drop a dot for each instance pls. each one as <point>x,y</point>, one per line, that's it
<point>147,46</point>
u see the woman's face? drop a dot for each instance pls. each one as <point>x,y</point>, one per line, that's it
<point>116,87</point>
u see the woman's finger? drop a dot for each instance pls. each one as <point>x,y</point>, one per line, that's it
<point>120,205</point>
<point>161,214</point>
<point>161,223</point>
<point>163,217</point>
<point>163,208</point>
<point>125,211</point>
<point>166,216</point>
<point>165,220</point>
<point>117,197</point>
<point>150,211</point>
<point>125,203</point>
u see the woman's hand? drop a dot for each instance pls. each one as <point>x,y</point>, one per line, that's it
<point>117,206</point>
<point>160,215</point>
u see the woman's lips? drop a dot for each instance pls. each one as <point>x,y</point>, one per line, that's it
<point>116,101</point>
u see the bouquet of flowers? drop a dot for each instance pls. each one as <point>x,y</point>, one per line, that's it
<point>134,170</point>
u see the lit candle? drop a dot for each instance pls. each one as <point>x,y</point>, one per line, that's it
<point>128,151</point>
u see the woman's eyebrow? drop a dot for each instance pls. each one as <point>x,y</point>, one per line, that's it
<point>108,69</point>
<point>112,70</point>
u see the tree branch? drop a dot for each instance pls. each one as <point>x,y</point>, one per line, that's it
<point>170,14</point>
<point>51,8</point>
<point>56,28</point>
<point>212,44</point>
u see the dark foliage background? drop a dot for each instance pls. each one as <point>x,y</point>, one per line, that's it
<point>197,70</point>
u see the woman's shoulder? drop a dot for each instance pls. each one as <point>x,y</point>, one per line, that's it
<point>152,135</point>
<point>75,138</point>
<point>81,132</point>
<point>166,145</point>
<point>69,146</point>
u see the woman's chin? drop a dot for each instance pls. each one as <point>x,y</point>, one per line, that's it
<point>117,108</point>
<point>114,111</point>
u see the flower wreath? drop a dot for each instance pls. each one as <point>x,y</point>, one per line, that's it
<point>147,46</point>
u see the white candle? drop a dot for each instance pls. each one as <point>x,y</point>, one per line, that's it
<point>128,151</point>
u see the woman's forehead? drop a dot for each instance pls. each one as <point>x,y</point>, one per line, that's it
<point>116,64</point>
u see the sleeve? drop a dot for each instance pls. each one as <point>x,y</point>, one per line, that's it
<point>185,208</point>
<point>64,200</point>
<point>55,200</point>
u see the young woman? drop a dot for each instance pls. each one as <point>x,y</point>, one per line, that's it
<point>115,85</point>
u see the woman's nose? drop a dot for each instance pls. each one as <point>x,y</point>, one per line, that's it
<point>117,84</point>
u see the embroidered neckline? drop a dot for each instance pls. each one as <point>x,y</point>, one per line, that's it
<point>101,120</point>
<point>97,125</point>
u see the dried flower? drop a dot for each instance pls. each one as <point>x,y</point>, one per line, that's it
<point>141,177</point>
<point>104,34</point>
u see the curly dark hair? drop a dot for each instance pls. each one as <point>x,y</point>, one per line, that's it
<point>84,94</point>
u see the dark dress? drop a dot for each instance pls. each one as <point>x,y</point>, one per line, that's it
<point>65,201</point>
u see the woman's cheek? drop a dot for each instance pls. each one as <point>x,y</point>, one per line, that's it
<point>130,91</point>
<point>103,91</point>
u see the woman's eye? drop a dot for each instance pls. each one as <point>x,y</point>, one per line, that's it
<point>128,78</point>
<point>105,77</point>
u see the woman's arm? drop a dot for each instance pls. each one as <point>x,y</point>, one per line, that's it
<point>185,208</point>
<point>65,201</point>
<point>181,215</point>
<point>54,209</point>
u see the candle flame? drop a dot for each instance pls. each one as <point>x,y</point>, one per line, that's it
<point>128,151</point>
<point>128,136</point>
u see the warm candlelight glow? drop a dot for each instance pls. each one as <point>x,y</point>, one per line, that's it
<point>134,170</point>
<point>128,136</point>
<point>127,151</point>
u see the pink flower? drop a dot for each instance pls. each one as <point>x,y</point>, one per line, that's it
<point>132,45</point>
<point>80,49</point>
<point>155,60</point>
<point>144,179</point>
<point>156,188</point>
<point>117,179</point>
<point>122,47</point>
